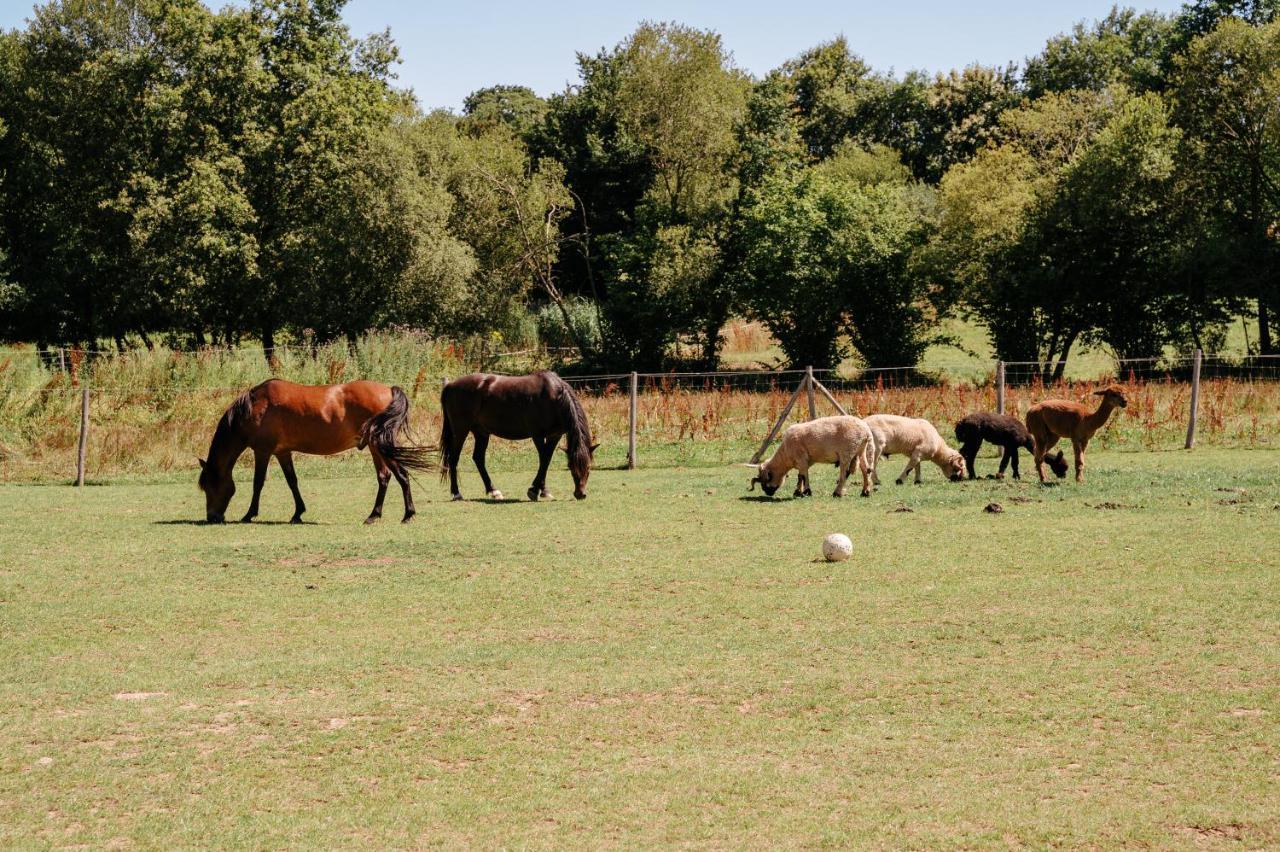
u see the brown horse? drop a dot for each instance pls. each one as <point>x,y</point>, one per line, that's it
<point>540,406</point>
<point>278,418</point>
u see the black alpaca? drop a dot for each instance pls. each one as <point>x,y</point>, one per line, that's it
<point>1003,431</point>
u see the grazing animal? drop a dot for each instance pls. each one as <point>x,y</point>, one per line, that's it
<point>1059,418</point>
<point>279,418</point>
<point>1005,431</point>
<point>918,440</point>
<point>539,406</point>
<point>844,440</point>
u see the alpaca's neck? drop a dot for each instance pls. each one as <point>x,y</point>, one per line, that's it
<point>1098,419</point>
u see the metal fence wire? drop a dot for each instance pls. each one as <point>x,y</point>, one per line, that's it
<point>1235,399</point>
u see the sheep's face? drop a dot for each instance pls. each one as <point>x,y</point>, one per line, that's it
<point>955,469</point>
<point>768,484</point>
<point>1113,394</point>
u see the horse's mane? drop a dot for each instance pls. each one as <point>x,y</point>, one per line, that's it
<point>579,433</point>
<point>237,414</point>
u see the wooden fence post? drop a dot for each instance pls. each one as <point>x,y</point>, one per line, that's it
<point>62,359</point>
<point>631,418</point>
<point>84,434</point>
<point>777,427</point>
<point>1195,398</point>
<point>831,399</point>
<point>999,387</point>
<point>808,386</point>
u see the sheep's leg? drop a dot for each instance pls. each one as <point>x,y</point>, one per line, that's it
<point>802,481</point>
<point>842,475</point>
<point>875,465</point>
<point>912,462</point>
<point>866,476</point>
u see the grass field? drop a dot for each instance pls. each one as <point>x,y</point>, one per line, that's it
<point>664,663</point>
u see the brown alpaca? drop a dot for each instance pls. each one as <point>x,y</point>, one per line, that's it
<point>1059,418</point>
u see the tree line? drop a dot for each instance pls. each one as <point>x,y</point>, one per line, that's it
<point>175,174</point>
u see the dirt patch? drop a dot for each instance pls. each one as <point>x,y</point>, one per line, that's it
<point>1107,504</point>
<point>901,508</point>
<point>993,508</point>
<point>1234,501</point>
<point>1233,490</point>
<point>139,696</point>
<point>1228,831</point>
<point>325,562</point>
<point>1019,499</point>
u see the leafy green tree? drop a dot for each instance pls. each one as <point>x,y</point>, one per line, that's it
<point>1125,47</point>
<point>828,252</point>
<point>516,107</point>
<point>832,91</point>
<point>1226,95</point>
<point>998,240</point>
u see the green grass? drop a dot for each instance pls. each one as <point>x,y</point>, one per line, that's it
<point>664,663</point>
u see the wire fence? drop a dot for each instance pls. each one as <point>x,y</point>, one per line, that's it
<point>679,417</point>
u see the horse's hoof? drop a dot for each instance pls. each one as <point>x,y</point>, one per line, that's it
<point>247,519</point>
<point>897,482</point>
<point>866,493</point>
<point>407,518</point>
<point>296,519</point>
<point>545,495</point>
<point>456,497</point>
<point>577,496</point>
<point>495,494</point>
<point>372,519</point>
<point>533,494</point>
<point>837,493</point>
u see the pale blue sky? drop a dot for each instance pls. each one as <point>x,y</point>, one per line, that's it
<point>452,48</point>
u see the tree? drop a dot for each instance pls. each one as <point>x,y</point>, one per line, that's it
<point>515,107</point>
<point>828,252</point>
<point>1226,95</point>
<point>995,247</point>
<point>648,144</point>
<point>832,90</point>
<point>1125,47</point>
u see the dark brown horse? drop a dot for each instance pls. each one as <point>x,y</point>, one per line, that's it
<point>540,406</point>
<point>278,418</point>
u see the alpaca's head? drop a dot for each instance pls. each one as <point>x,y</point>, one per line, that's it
<point>1057,463</point>
<point>1113,394</point>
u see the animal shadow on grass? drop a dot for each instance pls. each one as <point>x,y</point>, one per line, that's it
<point>188,522</point>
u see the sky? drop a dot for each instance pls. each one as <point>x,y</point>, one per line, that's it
<point>450,49</point>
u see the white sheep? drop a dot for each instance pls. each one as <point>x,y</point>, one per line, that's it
<point>913,437</point>
<point>844,440</point>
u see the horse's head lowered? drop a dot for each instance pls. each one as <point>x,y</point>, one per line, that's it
<point>229,440</point>
<point>219,487</point>
<point>580,467</point>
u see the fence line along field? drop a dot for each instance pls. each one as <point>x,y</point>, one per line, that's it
<point>152,412</point>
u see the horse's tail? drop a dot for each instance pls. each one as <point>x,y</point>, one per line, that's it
<point>383,429</point>
<point>446,435</point>
<point>577,432</point>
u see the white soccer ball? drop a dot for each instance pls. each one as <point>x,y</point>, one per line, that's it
<point>837,547</point>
